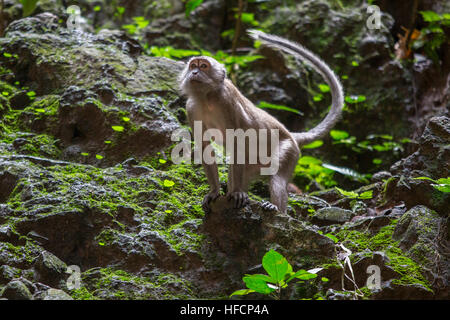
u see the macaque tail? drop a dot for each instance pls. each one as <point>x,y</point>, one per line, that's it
<point>321,67</point>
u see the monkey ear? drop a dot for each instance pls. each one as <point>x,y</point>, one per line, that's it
<point>224,72</point>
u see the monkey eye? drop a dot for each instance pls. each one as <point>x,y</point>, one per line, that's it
<point>203,66</point>
<point>192,66</point>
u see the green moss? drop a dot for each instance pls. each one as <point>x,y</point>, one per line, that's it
<point>119,284</point>
<point>410,272</point>
<point>82,294</point>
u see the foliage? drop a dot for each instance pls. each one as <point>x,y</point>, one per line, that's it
<point>139,23</point>
<point>279,274</point>
<point>311,168</point>
<point>221,56</point>
<point>355,195</point>
<point>432,36</point>
<point>442,184</point>
<point>28,7</point>
<point>266,105</point>
<point>191,5</point>
<point>314,169</point>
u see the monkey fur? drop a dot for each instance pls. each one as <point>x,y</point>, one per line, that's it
<point>215,101</point>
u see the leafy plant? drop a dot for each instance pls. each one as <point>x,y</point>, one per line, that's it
<point>432,36</point>
<point>442,184</point>
<point>28,6</point>
<point>354,195</point>
<point>191,5</point>
<point>228,60</point>
<point>118,128</point>
<point>313,145</point>
<point>266,105</point>
<point>279,274</point>
<point>312,169</point>
<point>119,12</point>
<point>139,24</point>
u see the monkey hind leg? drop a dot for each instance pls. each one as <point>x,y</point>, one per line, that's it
<point>278,194</point>
<point>279,182</point>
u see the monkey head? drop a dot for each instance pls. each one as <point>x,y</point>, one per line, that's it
<point>202,75</point>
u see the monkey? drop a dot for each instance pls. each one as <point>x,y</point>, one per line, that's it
<point>214,100</point>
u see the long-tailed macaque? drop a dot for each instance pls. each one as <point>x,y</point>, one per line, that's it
<point>215,103</point>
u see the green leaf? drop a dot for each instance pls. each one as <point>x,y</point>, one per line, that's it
<point>324,88</point>
<point>366,195</point>
<point>162,161</point>
<point>313,145</point>
<point>264,277</point>
<point>126,119</point>
<point>339,134</point>
<point>266,105</point>
<point>442,187</point>
<point>348,194</point>
<point>241,292</point>
<point>258,285</point>
<point>308,160</point>
<point>306,276</point>
<point>430,16</point>
<point>275,265</point>
<point>28,7</point>
<point>85,154</point>
<point>191,5</point>
<point>377,161</point>
<point>118,128</point>
<point>249,18</point>
<point>31,93</point>
<point>324,279</point>
<point>7,55</point>
<point>355,99</point>
<point>99,157</point>
<point>168,183</point>
<point>318,97</point>
<point>332,237</point>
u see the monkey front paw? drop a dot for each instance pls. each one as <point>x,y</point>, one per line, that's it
<point>240,199</point>
<point>211,196</point>
<point>269,206</point>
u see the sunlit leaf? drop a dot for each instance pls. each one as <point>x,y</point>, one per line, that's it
<point>313,145</point>
<point>275,265</point>
<point>266,105</point>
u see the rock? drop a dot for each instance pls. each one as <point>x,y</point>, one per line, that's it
<point>380,176</point>
<point>423,235</point>
<point>390,290</point>
<point>56,294</point>
<point>432,159</point>
<point>244,236</point>
<point>81,105</point>
<point>8,273</point>
<point>50,269</point>
<point>7,183</point>
<point>16,290</point>
<point>332,215</point>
